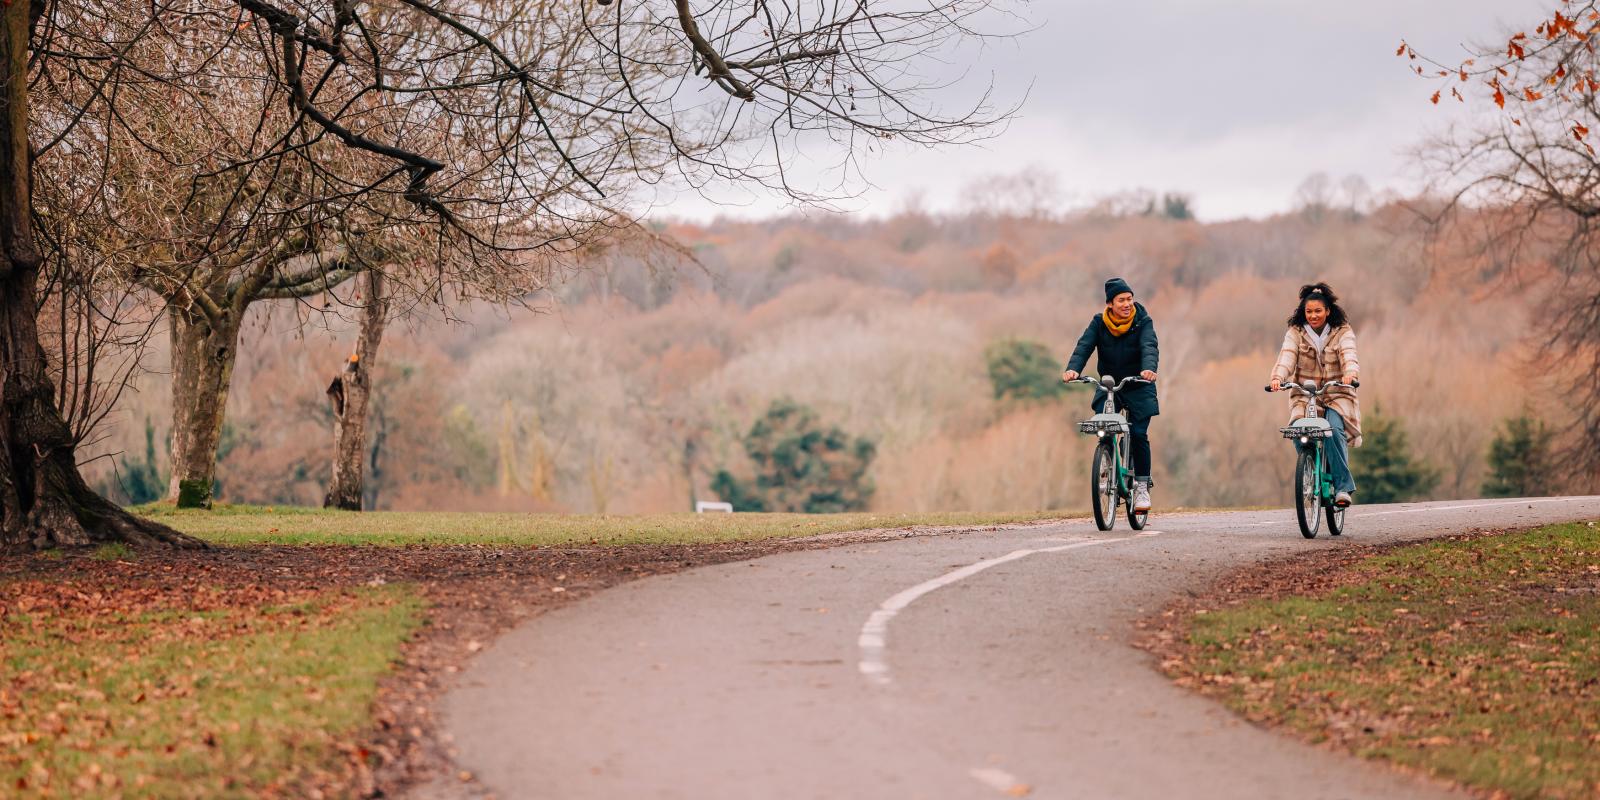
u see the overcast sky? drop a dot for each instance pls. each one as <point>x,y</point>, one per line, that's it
<point>1234,102</point>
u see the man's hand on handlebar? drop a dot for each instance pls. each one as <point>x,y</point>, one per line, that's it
<point>1068,376</point>
<point>1148,375</point>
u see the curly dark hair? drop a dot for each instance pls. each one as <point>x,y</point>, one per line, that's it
<point>1317,291</point>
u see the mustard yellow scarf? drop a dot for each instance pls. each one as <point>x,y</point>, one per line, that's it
<point>1115,325</point>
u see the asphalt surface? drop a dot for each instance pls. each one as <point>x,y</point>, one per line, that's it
<point>974,666</point>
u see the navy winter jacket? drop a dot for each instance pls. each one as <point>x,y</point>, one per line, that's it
<point>1121,357</point>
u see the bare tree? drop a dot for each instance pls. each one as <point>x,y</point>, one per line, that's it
<point>1314,196</point>
<point>1356,195</point>
<point>43,499</point>
<point>293,144</point>
<point>1034,193</point>
<point>288,205</point>
<point>1523,193</point>
<point>349,395</point>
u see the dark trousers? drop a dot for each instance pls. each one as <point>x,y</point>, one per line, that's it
<point>1141,447</point>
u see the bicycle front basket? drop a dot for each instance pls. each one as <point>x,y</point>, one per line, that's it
<point>1306,431</point>
<point>1109,423</point>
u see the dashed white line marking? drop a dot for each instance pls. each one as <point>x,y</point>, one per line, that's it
<point>1000,781</point>
<point>873,640</point>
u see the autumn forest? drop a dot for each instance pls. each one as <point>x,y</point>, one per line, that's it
<point>633,383</point>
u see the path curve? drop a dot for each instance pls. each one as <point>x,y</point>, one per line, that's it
<point>972,666</point>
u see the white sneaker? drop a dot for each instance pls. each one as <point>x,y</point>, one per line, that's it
<point>1342,500</point>
<point>1141,496</point>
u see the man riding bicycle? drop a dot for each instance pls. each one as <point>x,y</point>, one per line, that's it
<point>1125,336</point>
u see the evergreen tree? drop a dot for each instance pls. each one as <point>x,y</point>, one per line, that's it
<point>800,465</point>
<point>1384,468</point>
<point>1177,206</point>
<point>740,494</point>
<point>141,481</point>
<point>1020,369</point>
<point>1520,463</point>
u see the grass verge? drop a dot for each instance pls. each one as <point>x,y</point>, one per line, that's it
<point>265,670</point>
<point>235,525</point>
<point>189,691</point>
<point>1476,660</point>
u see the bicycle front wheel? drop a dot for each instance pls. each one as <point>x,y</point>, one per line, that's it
<point>1306,506</point>
<point>1103,486</point>
<point>1335,519</point>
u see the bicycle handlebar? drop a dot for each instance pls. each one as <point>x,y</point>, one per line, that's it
<point>1295,387</point>
<point>1113,389</point>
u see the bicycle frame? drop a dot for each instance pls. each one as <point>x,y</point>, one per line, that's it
<point>1313,432</point>
<point>1314,492</point>
<point>1113,482</point>
<point>1118,431</point>
<point>1323,472</point>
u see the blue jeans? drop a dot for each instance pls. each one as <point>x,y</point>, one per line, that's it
<point>1339,454</point>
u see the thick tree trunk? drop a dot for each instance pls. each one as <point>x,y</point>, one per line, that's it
<point>203,355</point>
<point>350,394</point>
<point>44,501</point>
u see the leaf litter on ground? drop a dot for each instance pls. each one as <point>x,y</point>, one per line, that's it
<point>1474,658</point>
<point>274,671</point>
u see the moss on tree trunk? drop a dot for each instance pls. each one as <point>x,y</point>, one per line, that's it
<point>203,356</point>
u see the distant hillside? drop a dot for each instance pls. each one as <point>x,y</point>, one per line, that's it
<point>635,383</point>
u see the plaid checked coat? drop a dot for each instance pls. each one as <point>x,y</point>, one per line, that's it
<point>1298,361</point>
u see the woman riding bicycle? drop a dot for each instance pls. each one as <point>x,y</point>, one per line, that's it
<point>1125,336</point>
<point>1320,346</point>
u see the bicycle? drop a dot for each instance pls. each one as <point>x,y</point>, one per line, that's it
<point>1111,478</point>
<point>1313,476</point>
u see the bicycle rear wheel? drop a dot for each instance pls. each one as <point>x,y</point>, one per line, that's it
<point>1306,505</point>
<point>1103,486</point>
<point>1136,519</point>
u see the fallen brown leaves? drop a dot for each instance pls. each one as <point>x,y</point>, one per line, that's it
<point>473,595</point>
<point>1475,659</point>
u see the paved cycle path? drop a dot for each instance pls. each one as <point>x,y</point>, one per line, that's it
<point>970,666</point>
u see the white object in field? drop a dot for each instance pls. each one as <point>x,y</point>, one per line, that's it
<point>702,506</point>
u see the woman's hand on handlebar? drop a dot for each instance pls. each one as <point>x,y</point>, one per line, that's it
<point>1275,386</point>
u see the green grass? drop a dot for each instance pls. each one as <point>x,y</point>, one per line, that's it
<point>235,525</point>
<point>1475,660</point>
<point>113,551</point>
<point>192,700</point>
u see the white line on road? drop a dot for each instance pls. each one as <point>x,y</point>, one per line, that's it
<point>873,638</point>
<point>1471,505</point>
<point>1000,781</point>
<point>1362,515</point>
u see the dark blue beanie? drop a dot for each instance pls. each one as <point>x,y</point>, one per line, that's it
<point>1116,286</point>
